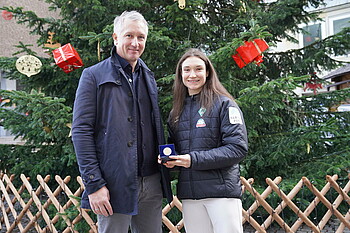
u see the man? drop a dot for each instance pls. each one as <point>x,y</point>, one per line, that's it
<point>116,132</point>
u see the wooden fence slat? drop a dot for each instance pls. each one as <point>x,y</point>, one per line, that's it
<point>33,220</point>
<point>248,213</point>
<point>250,181</point>
<point>176,202</point>
<point>336,203</point>
<point>11,198</point>
<point>325,202</point>
<point>252,222</point>
<point>12,177</point>
<point>266,206</point>
<point>0,206</point>
<point>9,203</point>
<point>179,225</point>
<point>169,225</point>
<point>342,226</point>
<point>37,202</point>
<point>8,210</point>
<point>77,219</point>
<point>291,205</point>
<point>10,187</point>
<point>67,205</point>
<point>283,204</point>
<point>17,194</point>
<point>56,193</point>
<point>338,189</point>
<point>76,203</point>
<point>342,196</point>
<point>311,207</point>
<point>25,211</point>
<point>173,228</point>
<point>165,220</point>
<point>55,202</point>
<point>264,195</point>
<point>6,220</point>
<point>178,205</point>
<point>6,197</point>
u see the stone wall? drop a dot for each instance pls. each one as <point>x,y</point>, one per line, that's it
<point>12,33</point>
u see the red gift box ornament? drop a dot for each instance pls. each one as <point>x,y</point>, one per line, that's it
<point>6,15</point>
<point>249,52</point>
<point>67,58</point>
<point>258,60</point>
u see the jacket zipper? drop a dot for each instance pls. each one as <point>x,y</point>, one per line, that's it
<point>190,171</point>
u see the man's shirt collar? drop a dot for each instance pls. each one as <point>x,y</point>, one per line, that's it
<point>124,64</point>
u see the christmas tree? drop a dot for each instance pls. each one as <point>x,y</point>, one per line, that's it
<point>285,131</point>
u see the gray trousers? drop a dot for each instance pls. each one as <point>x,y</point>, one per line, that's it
<point>149,217</point>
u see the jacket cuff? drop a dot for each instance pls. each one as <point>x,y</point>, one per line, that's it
<point>92,183</point>
<point>192,160</point>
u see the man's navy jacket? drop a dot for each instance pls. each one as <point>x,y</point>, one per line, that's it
<point>104,133</point>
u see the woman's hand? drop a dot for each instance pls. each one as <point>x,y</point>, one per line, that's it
<point>178,160</point>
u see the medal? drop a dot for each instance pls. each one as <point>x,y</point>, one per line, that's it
<point>165,151</point>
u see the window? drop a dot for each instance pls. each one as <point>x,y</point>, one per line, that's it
<point>336,24</point>
<point>339,24</point>
<point>313,34</point>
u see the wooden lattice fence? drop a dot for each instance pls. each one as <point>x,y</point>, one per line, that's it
<point>28,209</point>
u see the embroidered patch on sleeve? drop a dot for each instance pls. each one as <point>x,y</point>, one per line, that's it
<point>234,115</point>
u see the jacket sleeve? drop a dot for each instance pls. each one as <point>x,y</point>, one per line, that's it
<point>170,138</point>
<point>234,142</point>
<point>83,133</point>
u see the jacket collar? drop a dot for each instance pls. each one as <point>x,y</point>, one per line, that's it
<point>116,61</point>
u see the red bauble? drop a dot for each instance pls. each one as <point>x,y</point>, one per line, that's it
<point>7,15</point>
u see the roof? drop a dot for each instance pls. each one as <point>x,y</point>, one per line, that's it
<point>338,72</point>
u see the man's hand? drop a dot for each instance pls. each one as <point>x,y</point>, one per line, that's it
<point>99,202</point>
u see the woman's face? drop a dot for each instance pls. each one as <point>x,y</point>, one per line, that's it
<point>194,74</point>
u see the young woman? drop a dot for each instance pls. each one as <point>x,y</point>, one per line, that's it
<point>208,130</point>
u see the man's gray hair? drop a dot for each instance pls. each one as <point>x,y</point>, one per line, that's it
<point>128,15</point>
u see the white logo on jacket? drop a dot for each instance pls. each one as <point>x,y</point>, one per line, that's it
<point>234,115</point>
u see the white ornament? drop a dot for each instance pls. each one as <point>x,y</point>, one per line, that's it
<point>28,65</point>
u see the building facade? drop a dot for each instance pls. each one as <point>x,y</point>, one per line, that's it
<point>10,36</point>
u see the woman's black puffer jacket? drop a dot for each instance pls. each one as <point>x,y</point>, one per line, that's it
<point>217,142</point>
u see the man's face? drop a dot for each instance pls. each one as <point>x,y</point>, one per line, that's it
<point>131,41</point>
